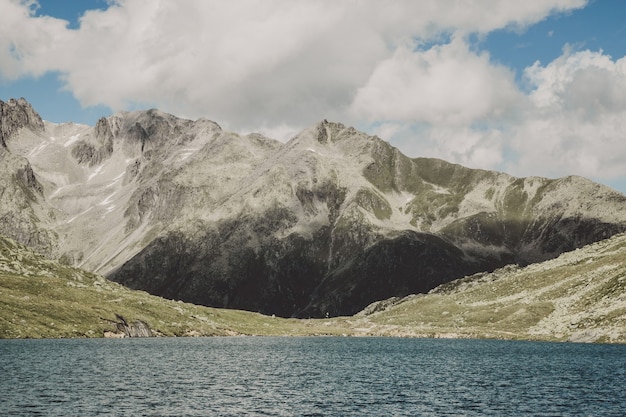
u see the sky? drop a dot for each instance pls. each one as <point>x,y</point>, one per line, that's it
<point>532,88</point>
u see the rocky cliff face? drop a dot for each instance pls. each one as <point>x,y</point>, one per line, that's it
<point>325,223</point>
<point>24,214</point>
<point>15,115</point>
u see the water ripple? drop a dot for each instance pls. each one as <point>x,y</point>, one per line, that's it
<point>253,376</point>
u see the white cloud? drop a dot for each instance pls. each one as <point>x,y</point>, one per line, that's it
<point>587,83</point>
<point>24,38</point>
<point>573,121</point>
<point>447,84</point>
<point>577,122</point>
<point>277,66</point>
<point>244,63</point>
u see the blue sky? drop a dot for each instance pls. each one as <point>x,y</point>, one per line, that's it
<point>530,88</point>
<point>601,25</point>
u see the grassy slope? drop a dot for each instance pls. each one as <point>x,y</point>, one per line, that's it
<point>41,298</point>
<point>579,296</point>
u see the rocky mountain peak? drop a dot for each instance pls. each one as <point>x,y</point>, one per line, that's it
<point>103,131</point>
<point>337,140</point>
<point>153,131</point>
<point>326,131</point>
<point>97,147</point>
<point>16,114</point>
<point>208,124</point>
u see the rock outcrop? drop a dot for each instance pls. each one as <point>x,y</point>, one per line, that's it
<point>23,212</point>
<point>137,328</point>
<point>96,149</point>
<point>15,115</point>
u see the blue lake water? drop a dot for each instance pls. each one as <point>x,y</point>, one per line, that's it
<point>265,376</point>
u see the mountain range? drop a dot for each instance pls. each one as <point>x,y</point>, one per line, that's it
<point>324,224</point>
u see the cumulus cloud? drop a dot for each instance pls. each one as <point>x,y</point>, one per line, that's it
<point>572,121</point>
<point>24,39</point>
<point>246,63</point>
<point>444,85</point>
<point>587,83</point>
<point>403,69</point>
<point>577,121</point>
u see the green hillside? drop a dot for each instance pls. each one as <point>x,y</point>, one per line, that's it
<point>580,296</point>
<point>42,298</point>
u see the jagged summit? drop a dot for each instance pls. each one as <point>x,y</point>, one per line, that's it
<point>15,115</point>
<point>325,223</point>
<point>327,133</point>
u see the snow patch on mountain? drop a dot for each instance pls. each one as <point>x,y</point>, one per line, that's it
<point>72,140</point>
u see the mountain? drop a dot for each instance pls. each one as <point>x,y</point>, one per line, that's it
<point>324,224</point>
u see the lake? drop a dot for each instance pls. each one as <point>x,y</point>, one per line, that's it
<point>309,376</point>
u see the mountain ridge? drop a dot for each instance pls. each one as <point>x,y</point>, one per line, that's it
<point>325,223</point>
